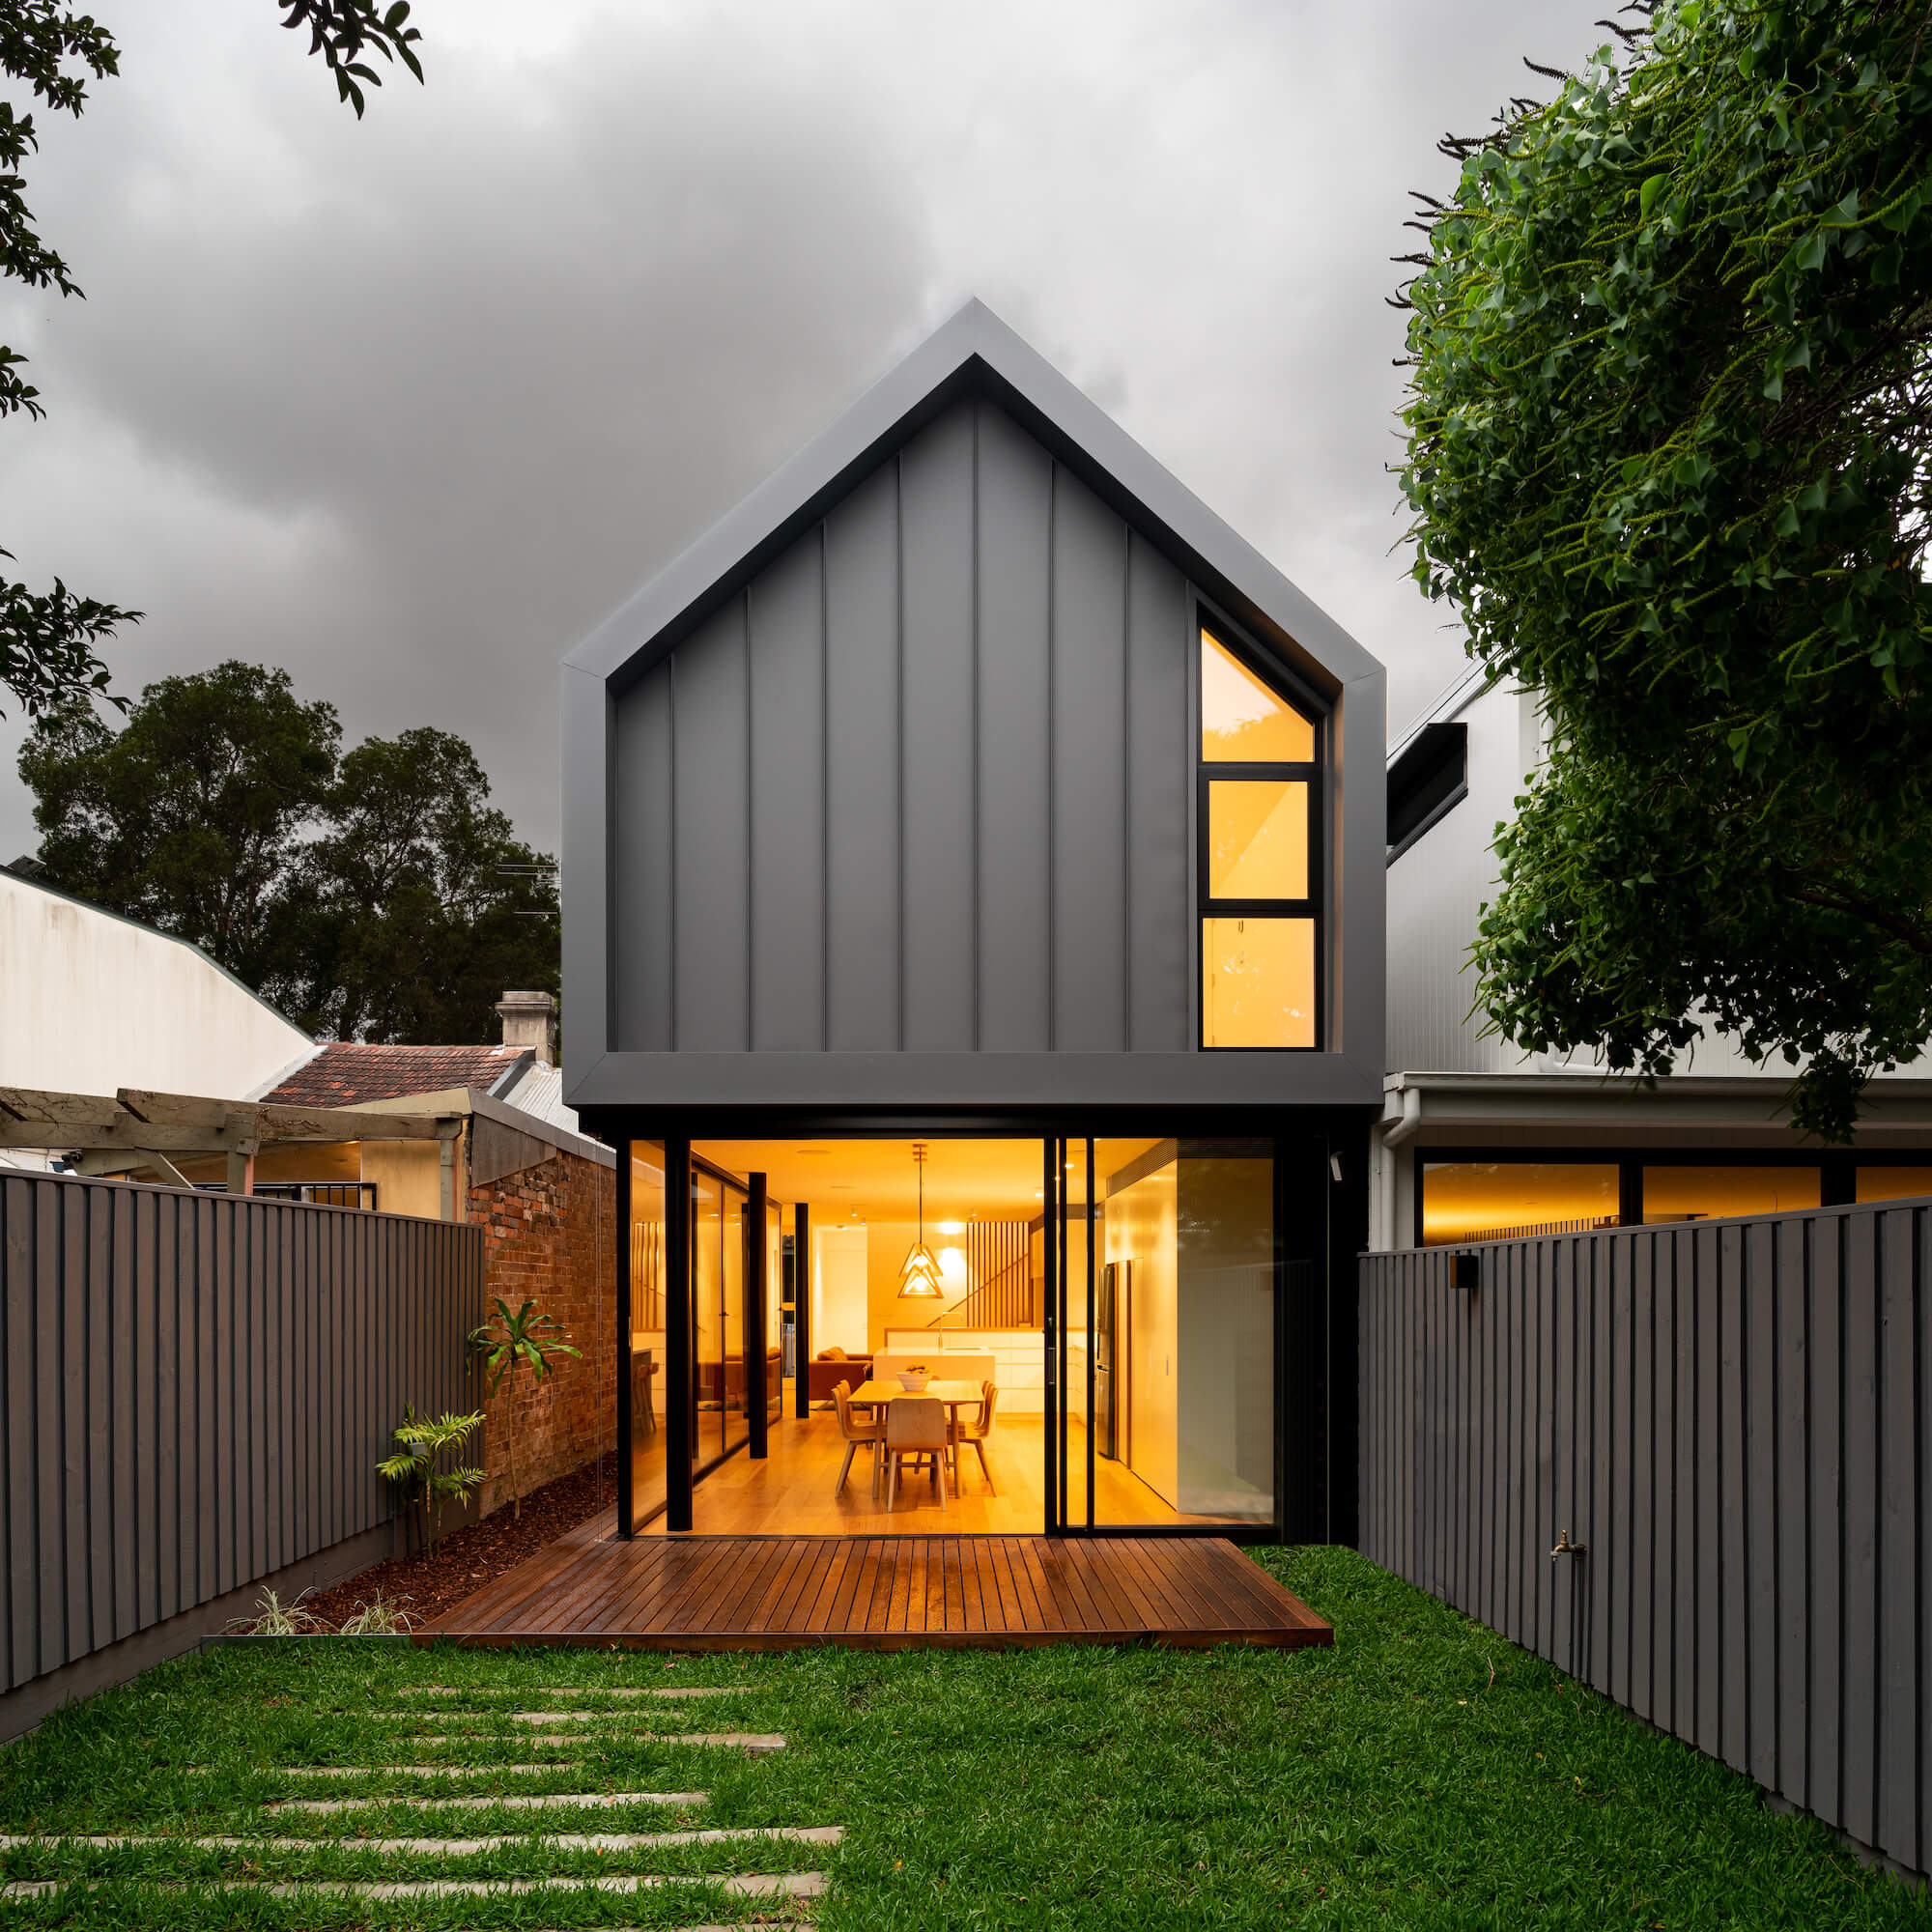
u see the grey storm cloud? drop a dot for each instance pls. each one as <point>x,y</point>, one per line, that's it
<point>407,405</point>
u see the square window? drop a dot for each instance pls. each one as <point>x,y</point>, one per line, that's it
<point>1257,839</point>
<point>1256,982</point>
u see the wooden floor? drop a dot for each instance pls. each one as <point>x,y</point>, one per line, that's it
<point>881,1593</point>
<point>790,1491</point>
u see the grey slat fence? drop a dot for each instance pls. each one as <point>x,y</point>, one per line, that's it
<point>1729,1416</point>
<point>194,1390</point>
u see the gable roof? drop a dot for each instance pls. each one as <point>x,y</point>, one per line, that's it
<point>973,352</point>
<point>348,1073</point>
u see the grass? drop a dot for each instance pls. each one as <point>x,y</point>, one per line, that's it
<point>1425,1773</point>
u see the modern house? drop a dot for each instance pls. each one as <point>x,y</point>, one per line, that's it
<point>1479,1141</point>
<point>973,922</point>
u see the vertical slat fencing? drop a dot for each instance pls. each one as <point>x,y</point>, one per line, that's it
<point>194,1391</point>
<point>1729,1417</point>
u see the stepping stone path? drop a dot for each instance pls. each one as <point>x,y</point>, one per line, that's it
<point>638,1854</point>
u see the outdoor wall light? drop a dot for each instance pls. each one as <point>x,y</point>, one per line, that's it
<point>1469,1272</point>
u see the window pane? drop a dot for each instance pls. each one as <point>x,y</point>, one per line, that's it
<point>1243,721</point>
<point>1893,1184</point>
<point>1488,1201</point>
<point>1703,1193</point>
<point>1257,983</point>
<point>1184,1332</point>
<point>1257,839</point>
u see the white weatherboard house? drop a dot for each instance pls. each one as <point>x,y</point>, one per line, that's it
<point>1477,1140</point>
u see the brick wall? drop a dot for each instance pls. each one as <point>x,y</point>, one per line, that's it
<point>549,1235</point>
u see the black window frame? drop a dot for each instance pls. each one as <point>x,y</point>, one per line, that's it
<point>1293,692</point>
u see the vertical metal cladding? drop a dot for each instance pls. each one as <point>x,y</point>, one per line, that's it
<point>1730,1418</point>
<point>196,1390</point>
<point>922,786</point>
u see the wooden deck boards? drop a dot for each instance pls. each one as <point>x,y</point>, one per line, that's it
<point>881,1593</point>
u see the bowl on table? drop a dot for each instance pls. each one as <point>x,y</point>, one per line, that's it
<point>914,1378</point>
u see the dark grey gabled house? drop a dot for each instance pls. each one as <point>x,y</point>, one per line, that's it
<point>973,781</point>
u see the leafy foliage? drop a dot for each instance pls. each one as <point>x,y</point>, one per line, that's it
<point>373,896</point>
<point>507,1340</point>
<point>47,639</point>
<point>1668,442</point>
<point>428,1485</point>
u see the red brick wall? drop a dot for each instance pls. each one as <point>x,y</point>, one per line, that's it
<point>549,1234</point>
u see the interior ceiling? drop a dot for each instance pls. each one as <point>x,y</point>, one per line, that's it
<point>877,1181</point>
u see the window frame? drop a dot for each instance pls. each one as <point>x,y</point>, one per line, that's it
<point>1314,774</point>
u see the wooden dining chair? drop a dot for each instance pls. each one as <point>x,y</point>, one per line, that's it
<point>858,1435</point>
<point>974,1433</point>
<point>915,1426</point>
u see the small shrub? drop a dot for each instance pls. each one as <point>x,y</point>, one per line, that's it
<point>426,1487</point>
<point>275,1618</point>
<point>379,1616</point>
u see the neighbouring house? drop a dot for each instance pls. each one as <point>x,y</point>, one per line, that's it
<point>91,1002</point>
<point>973,927</point>
<point>1479,1141</point>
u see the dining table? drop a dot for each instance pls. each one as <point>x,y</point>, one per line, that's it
<point>955,1395</point>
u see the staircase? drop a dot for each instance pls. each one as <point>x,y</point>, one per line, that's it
<point>999,1255</point>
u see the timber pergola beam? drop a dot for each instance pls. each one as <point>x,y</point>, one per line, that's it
<point>135,1122</point>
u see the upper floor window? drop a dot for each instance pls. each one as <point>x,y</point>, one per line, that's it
<point>1258,865</point>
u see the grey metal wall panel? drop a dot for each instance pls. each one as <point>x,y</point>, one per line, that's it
<point>1160,767</point>
<point>1729,1418</point>
<point>863,823</point>
<point>787,659</point>
<point>712,863</point>
<point>923,787</point>
<point>1090,772</point>
<point>144,1371</point>
<point>644,909</point>
<point>937,727</point>
<point>1016,482</point>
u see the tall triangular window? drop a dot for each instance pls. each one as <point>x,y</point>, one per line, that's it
<point>1260,815</point>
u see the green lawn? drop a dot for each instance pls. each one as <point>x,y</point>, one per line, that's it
<point>1423,1772</point>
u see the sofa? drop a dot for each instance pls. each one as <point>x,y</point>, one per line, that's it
<point>831,1367</point>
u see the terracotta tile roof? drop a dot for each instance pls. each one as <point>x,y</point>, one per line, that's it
<point>347,1073</point>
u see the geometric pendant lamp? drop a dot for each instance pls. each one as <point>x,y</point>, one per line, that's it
<point>918,1278</point>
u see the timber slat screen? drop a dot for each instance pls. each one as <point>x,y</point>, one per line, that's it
<point>1730,1418</point>
<point>884,1593</point>
<point>196,1390</point>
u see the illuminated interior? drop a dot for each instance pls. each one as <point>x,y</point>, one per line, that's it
<point>1707,1193</point>
<point>1893,1184</point>
<point>1242,722</point>
<point>1257,838</point>
<point>1257,982</point>
<point>1481,1200</point>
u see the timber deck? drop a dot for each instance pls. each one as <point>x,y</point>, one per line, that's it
<point>882,1593</point>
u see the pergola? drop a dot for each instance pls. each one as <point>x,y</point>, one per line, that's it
<point>131,1130</point>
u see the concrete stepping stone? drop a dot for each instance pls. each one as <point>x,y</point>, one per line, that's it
<point>755,1742</point>
<point>566,1690</point>
<point>452,1848</point>
<point>542,1801</point>
<point>738,1885</point>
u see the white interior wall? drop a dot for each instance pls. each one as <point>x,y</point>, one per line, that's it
<point>839,1316</point>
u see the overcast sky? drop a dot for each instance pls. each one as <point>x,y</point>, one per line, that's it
<point>408,406</point>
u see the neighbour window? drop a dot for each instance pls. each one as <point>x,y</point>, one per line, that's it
<point>1892,1184</point>
<point>1710,1193</point>
<point>1501,1200</point>
<point>1260,814</point>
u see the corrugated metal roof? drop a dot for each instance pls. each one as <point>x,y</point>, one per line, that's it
<point>540,1091</point>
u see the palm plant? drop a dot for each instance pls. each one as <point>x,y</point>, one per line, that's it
<point>527,1336</point>
<point>421,1442</point>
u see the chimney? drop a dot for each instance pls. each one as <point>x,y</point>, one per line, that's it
<point>530,1019</point>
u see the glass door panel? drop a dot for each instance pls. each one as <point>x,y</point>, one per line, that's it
<point>1168,1351</point>
<point>648,1280</point>
<point>707,1303</point>
<point>774,1285</point>
<point>734,1245</point>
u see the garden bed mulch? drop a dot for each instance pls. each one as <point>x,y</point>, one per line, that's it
<point>425,1587</point>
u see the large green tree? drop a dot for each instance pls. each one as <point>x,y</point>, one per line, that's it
<point>1669,429</point>
<point>373,895</point>
<point>49,639</point>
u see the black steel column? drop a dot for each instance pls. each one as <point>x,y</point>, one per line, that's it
<point>1091,1224</point>
<point>757,1287</point>
<point>680,1389</point>
<point>801,1310</point>
<point>621,1353</point>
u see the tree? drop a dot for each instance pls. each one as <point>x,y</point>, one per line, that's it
<point>373,896</point>
<point>47,639</point>
<point>192,817</point>
<point>504,1342</point>
<point>1669,428</point>
<point>419,904</point>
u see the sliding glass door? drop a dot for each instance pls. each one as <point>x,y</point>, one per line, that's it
<point>1166,1292</point>
<point>718,1236</point>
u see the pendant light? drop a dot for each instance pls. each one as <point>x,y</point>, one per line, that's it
<point>918,1278</point>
